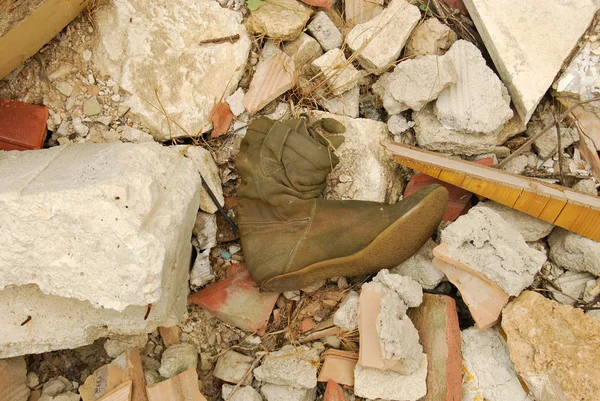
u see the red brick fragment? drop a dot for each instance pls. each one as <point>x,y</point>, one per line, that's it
<point>326,4</point>
<point>307,325</point>
<point>333,392</point>
<point>22,125</point>
<point>221,118</point>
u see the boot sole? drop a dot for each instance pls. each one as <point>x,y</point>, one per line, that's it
<point>392,246</point>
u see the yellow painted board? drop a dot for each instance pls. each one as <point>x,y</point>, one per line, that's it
<point>499,193</point>
<point>531,203</point>
<point>552,210</point>
<point>580,219</point>
<point>452,177</point>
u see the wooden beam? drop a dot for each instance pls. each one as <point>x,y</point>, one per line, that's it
<point>26,26</point>
<point>558,205</point>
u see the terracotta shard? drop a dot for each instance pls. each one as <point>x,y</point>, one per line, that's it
<point>338,367</point>
<point>22,125</point>
<point>170,335</point>
<point>13,374</point>
<point>221,118</point>
<point>333,392</point>
<point>183,387</point>
<point>326,4</point>
<point>121,393</point>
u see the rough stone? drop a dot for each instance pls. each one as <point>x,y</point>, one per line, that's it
<point>555,348</point>
<point>479,102</point>
<point>55,386</point>
<point>115,346</point>
<point>389,385</point>
<point>134,135</point>
<point>574,252</point>
<point>430,37</point>
<point>572,284</point>
<point>587,187</point>
<point>366,171</point>
<point>177,359</point>
<point>65,88</point>
<point>398,124</point>
<point>236,102</point>
<point>232,366</point>
<point>547,144</point>
<point>68,396</point>
<point>488,372</point>
<point>294,367</point>
<point>13,377</point>
<point>432,135</point>
<point>273,392</point>
<point>92,107</point>
<point>520,49</point>
<point>531,228</point>
<point>359,11</point>
<point>80,201</point>
<point>340,75</point>
<point>243,393</point>
<point>32,380</point>
<point>209,172</point>
<point>416,82</point>
<point>325,31</point>
<point>516,165</point>
<point>346,316</point>
<point>304,49</point>
<point>487,244</point>
<point>205,230</point>
<point>409,291</point>
<point>279,19</point>
<point>153,51</point>
<point>201,273</point>
<point>420,267</point>
<point>346,104</point>
<point>371,40</point>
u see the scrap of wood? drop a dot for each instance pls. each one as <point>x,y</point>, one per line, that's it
<point>183,387</point>
<point>13,373</point>
<point>561,206</point>
<point>170,335</point>
<point>26,26</point>
<point>120,393</point>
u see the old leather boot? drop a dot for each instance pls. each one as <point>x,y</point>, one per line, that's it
<point>291,238</point>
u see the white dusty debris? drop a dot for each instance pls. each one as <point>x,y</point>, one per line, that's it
<point>243,393</point>
<point>273,392</point>
<point>346,316</point>
<point>574,252</point>
<point>280,19</point>
<point>201,273</point>
<point>232,366</point>
<point>371,40</point>
<point>366,171</point>
<point>339,73</point>
<point>529,52</point>
<point>398,124</point>
<point>531,228</point>
<point>325,31</point>
<point>389,385</point>
<point>420,267</point>
<point>177,359</point>
<point>346,104</point>
<point>479,102</point>
<point>572,287</point>
<point>488,372</point>
<point>236,102</point>
<point>582,77</point>
<point>135,135</point>
<point>290,366</point>
<point>547,144</point>
<point>430,37</point>
<point>154,51</point>
<point>205,231</point>
<point>116,345</point>
<point>486,243</point>
<point>416,82</point>
<point>409,291</point>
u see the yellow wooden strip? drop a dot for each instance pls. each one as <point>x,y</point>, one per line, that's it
<point>531,203</point>
<point>452,177</point>
<point>580,219</point>
<point>421,167</point>
<point>552,210</point>
<point>498,193</point>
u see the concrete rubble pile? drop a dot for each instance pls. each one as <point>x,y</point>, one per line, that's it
<point>108,230</point>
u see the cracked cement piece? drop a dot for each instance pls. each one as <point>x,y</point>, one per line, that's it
<point>341,76</point>
<point>208,170</point>
<point>177,359</point>
<point>243,393</point>
<point>432,135</point>
<point>371,40</point>
<point>555,348</point>
<point>574,252</point>
<point>389,385</point>
<point>479,102</point>
<point>420,267</point>
<point>572,286</point>
<point>409,291</point>
<point>325,31</point>
<point>531,228</point>
<point>273,392</point>
<point>232,366</point>
<point>430,37</point>
<point>581,78</point>
<point>116,345</point>
<point>279,19</point>
<point>366,171</point>
<point>529,58</point>
<point>488,372</point>
<point>547,144</point>
<point>416,82</point>
<point>294,367</point>
<point>205,231</point>
<point>487,244</point>
<point>346,317</point>
<point>153,49</point>
<point>201,273</point>
<point>346,104</point>
<point>101,223</point>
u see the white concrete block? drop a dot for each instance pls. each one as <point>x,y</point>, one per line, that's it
<point>529,52</point>
<point>95,222</point>
<point>273,392</point>
<point>294,367</point>
<point>346,316</point>
<point>389,385</point>
<point>340,74</point>
<point>530,227</point>
<point>574,252</point>
<point>325,31</point>
<point>420,267</point>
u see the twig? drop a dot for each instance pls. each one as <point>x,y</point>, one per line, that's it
<point>250,369</point>
<point>531,140</point>
<point>231,38</point>
<point>560,158</point>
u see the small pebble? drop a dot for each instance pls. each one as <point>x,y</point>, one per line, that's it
<point>32,380</point>
<point>87,55</point>
<point>226,255</point>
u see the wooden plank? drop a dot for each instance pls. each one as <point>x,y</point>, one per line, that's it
<point>558,205</point>
<point>26,26</point>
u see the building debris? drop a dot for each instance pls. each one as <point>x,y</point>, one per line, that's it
<point>531,229</point>
<point>361,11</point>
<point>420,267</point>
<point>389,385</point>
<point>274,392</point>
<point>290,366</point>
<point>178,358</point>
<point>304,49</point>
<point>574,252</point>
<point>232,368</point>
<point>572,286</point>
<point>430,37</point>
<point>243,393</point>
<point>13,375</point>
<point>22,125</point>
<point>338,366</point>
<point>346,315</point>
<point>333,392</point>
<point>221,118</point>
<point>280,20</point>
<point>183,387</point>
<point>346,104</point>
<point>170,335</point>
<point>325,31</point>
<point>339,74</point>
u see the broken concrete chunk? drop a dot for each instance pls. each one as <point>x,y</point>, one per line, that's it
<point>531,228</point>
<point>420,267</point>
<point>202,272</point>
<point>303,50</point>
<point>547,144</point>
<point>389,385</point>
<point>232,366</point>
<point>587,187</point>
<point>235,102</point>
<point>279,19</point>
<point>294,367</point>
<point>484,379</point>
<point>273,392</point>
<point>134,135</point>
<point>572,287</point>
<point>116,345</point>
<point>81,201</point>
<point>430,37</point>
<point>416,82</point>
<point>183,387</point>
<point>409,291</point>
<point>371,40</point>
<point>479,102</point>
<point>325,31</point>
<point>209,172</point>
<point>521,50</point>
<point>574,252</point>
<point>359,11</point>
<point>339,367</point>
<point>171,67</point>
<point>555,348</point>
<point>273,77</point>
<point>397,124</point>
<point>580,77</point>
<point>346,316</point>
<point>437,323</point>
<point>432,135</point>
<point>346,104</point>
<point>205,230</point>
<point>13,374</point>
<point>177,359</point>
<point>243,393</point>
<point>486,243</point>
<point>339,73</point>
